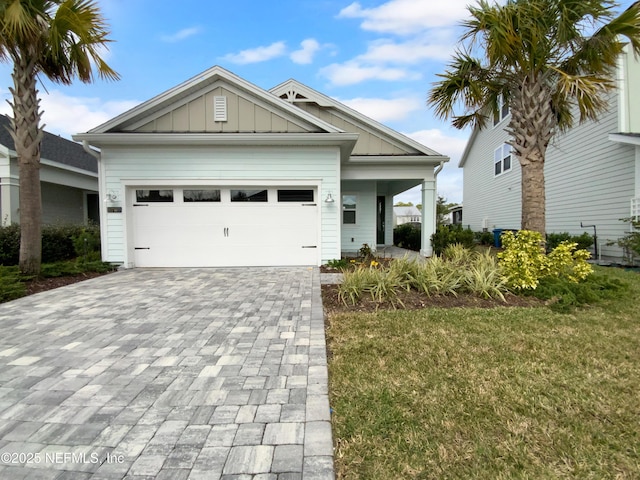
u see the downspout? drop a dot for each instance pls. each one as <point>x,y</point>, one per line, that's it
<point>435,195</point>
<point>426,249</point>
<point>101,190</point>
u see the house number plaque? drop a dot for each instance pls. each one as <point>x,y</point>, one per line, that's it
<point>114,209</point>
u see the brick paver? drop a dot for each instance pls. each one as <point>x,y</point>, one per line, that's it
<point>167,373</point>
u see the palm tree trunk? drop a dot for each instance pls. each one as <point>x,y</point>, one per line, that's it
<point>532,126</point>
<point>27,136</point>
<point>533,195</point>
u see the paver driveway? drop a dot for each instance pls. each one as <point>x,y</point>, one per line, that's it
<point>167,374</point>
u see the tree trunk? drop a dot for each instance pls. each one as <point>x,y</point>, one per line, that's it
<point>27,136</point>
<point>533,196</point>
<point>532,126</point>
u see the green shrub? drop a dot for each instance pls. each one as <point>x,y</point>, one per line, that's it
<point>630,243</point>
<point>407,236</point>
<point>11,284</point>
<point>484,277</point>
<point>59,242</point>
<point>483,238</point>
<point>584,241</point>
<point>10,245</point>
<point>339,264</point>
<point>564,295</point>
<point>86,241</point>
<point>381,284</point>
<point>524,263</point>
<point>449,235</point>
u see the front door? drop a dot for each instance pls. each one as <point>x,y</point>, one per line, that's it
<point>380,220</point>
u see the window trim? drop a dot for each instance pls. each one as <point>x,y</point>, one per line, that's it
<point>354,209</point>
<point>500,115</point>
<point>502,149</point>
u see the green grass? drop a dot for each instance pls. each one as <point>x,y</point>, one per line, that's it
<point>526,393</point>
<point>13,284</point>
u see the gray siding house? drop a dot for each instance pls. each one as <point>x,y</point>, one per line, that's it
<point>592,172</point>
<point>68,180</point>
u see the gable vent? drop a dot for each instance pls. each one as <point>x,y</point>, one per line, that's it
<point>219,109</point>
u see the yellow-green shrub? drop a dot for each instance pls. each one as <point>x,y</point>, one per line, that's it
<point>524,263</point>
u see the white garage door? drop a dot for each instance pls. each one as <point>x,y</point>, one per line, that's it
<point>211,227</point>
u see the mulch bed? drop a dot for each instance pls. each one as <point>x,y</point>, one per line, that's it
<point>44,284</point>
<point>413,300</point>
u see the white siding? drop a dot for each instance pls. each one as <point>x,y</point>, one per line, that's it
<point>588,178</point>
<point>201,165</point>
<point>364,230</point>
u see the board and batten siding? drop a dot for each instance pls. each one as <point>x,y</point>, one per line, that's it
<point>197,115</point>
<point>588,178</point>
<point>205,165</point>
<point>368,143</point>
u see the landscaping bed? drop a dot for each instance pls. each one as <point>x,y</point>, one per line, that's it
<point>472,392</point>
<point>412,300</point>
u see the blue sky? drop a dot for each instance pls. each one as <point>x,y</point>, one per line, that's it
<point>379,57</point>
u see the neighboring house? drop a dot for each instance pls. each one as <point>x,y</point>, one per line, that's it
<point>402,215</point>
<point>455,215</point>
<point>219,172</point>
<point>68,180</point>
<point>592,172</point>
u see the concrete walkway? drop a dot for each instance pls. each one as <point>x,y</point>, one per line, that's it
<point>167,374</point>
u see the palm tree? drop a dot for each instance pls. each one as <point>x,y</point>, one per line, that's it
<point>550,60</point>
<point>60,40</point>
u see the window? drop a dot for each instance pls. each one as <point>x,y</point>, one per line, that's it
<point>295,195</point>
<point>249,196</point>
<point>201,195</point>
<point>502,159</point>
<point>154,195</point>
<point>349,203</point>
<point>502,112</point>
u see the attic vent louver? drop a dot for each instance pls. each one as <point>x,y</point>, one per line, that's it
<point>219,109</point>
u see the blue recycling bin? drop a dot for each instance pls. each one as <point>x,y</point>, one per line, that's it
<point>497,233</point>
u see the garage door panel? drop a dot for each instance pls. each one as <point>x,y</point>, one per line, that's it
<point>198,234</point>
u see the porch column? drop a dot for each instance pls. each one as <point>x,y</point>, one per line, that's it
<point>428,216</point>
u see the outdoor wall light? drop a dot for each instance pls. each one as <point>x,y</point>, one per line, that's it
<point>329,198</point>
<point>111,196</point>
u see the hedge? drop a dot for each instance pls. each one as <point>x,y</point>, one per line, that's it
<point>59,242</point>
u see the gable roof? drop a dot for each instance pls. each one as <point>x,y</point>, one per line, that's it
<point>410,211</point>
<point>467,148</point>
<point>296,92</point>
<point>207,80</point>
<point>53,148</point>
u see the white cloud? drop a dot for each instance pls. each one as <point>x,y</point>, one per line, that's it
<point>353,71</point>
<point>65,115</point>
<point>404,17</point>
<point>304,56</point>
<point>258,54</point>
<point>450,178</point>
<point>181,34</point>
<point>441,142</point>
<point>383,109</point>
<point>411,52</point>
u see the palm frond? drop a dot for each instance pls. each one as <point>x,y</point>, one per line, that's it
<point>466,83</point>
<point>76,36</point>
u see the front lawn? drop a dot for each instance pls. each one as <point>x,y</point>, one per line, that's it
<point>488,393</point>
